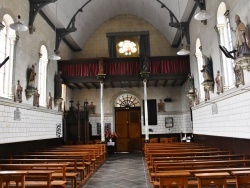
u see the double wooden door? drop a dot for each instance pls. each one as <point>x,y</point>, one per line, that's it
<point>128,129</point>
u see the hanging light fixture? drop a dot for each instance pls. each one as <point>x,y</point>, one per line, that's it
<point>183,51</point>
<point>55,56</point>
<point>18,26</point>
<point>203,15</point>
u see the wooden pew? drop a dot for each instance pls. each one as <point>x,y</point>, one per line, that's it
<point>17,176</point>
<point>71,163</point>
<point>44,169</point>
<point>90,164</point>
<point>79,158</point>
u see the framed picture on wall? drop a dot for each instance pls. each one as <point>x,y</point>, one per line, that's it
<point>98,127</point>
<point>169,122</point>
<point>108,127</point>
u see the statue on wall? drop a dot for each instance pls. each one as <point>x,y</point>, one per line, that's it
<point>144,63</point>
<point>239,75</point>
<point>36,97</point>
<point>219,83</point>
<point>31,77</point>
<point>91,108</point>
<point>101,67</point>
<point>58,88</point>
<point>196,97</point>
<point>207,94</point>
<point>207,70</point>
<point>191,90</point>
<point>242,38</point>
<point>19,91</point>
<point>50,101</point>
<point>161,106</point>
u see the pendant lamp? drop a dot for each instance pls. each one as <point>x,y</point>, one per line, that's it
<point>18,26</point>
<point>183,51</point>
<point>203,15</point>
<point>55,56</point>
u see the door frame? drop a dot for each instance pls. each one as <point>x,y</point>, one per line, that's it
<point>128,109</point>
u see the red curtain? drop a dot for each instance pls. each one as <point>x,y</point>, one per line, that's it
<point>124,66</point>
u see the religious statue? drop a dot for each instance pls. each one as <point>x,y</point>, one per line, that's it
<point>196,97</point>
<point>85,105</point>
<point>50,101</point>
<point>207,94</point>
<point>31,77</point>
<point>239,75</point>
<point>101,66</point>
<point>58,86</point>
<point>207,69</point>
<point>242,38</point>
<point>91,108</point>
<point>19,90</point>
<point>218,81</point>
<point>190,83</point>
<point>161,106</point>
<point>144,61</point>
<point>36,99</point>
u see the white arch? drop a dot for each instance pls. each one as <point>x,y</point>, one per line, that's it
<point>128,99</point>
<point>42,77</point>
<point>198,54</point>
<point>221,19</point>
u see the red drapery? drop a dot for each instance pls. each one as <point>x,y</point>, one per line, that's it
<point>124,66</point>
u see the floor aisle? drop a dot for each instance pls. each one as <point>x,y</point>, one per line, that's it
<point>123,170</point>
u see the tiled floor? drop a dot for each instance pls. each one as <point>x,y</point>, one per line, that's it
<point>121,170</point>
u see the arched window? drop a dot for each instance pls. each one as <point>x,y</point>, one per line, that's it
<point>64,95</point>
<point>42,75</point>
<point>225,39</point>
<point>198,54</point>
<point>7,42</point>
<point>127,100</point>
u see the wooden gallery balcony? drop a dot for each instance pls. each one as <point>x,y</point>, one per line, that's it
<point>125,72</point>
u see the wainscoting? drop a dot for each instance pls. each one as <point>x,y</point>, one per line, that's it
<point>236,145</point>
<point>20,147</point>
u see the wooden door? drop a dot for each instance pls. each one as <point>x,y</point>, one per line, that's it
<point>128,129</point>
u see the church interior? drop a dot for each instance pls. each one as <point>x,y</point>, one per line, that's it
<point>125,77</point>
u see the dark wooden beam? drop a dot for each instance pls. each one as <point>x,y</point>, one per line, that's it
<point>156,83</point>
<point>95,85</point>
<point>129,84</point>
<point>78,86</point>
<point>69,86</point>
<point>112,85</point>
<point>165,83</point>
<point>182,82</point>
<point>86,85</point>
<point>174,82</point>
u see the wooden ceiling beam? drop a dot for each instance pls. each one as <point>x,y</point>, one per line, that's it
<point>165,83</point>
<point>174,82</point>
<point>86,85</point>
<point>94,84</point>
<point>156,83</point>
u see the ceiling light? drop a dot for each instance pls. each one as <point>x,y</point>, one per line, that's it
<point>54,56</point>
<point>18,26</point>
<point>203,15</point>
<point>182,51</point>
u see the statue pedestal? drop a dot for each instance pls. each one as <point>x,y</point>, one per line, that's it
<point>244,62</point>
<point>209,85</point>
<point>30,92</point>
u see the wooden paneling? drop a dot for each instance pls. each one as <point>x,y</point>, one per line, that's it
<point>236,145</point>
